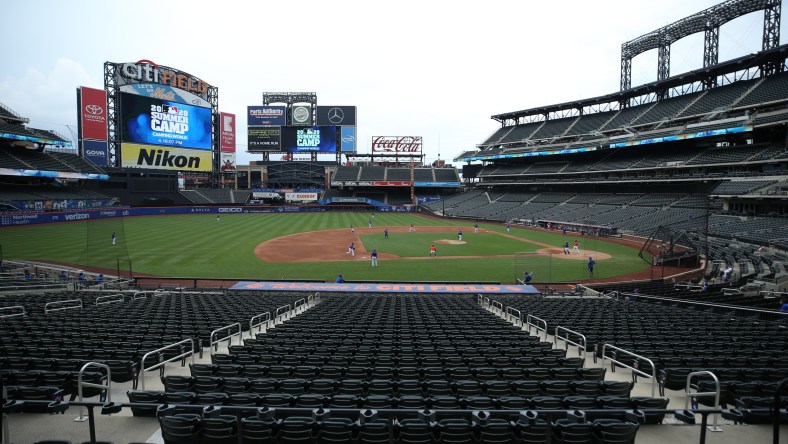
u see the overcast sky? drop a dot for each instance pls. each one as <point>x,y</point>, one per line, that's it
<point>436,69</point>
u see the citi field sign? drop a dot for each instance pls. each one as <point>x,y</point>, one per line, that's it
<point>146,71</point>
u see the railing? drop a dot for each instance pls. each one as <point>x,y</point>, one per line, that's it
<point>634,369</point>
<point>313,299</point>
<point>539,325</point>
<point>581,346</point>
<point>162,363</point>
<point>111,299</point>
<point>279,317</point>
<point>518,320</point>
<point>19,308</point>
<point>301,303</point>
<point>497,306</point>
<point>72,303</point>
<point>229,338</point>
<point>713,427</point>
<point>252,324</point>
<point>81,384</point>
<point>143,294</point>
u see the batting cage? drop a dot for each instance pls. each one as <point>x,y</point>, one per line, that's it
<point>682,239</point>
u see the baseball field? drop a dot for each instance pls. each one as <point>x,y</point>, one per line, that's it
<point>315,246</point>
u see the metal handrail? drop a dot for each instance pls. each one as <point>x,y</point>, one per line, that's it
<point>47,310</point>
<point>497,306</point>
<point>278,314</point>
<point>537,326</point>
<point>519,319</point>
<point>713,427</point>
<point>23,313</point>
<point>229,337</point>
<point>581,348</point>
<point>296,305</point>
<point>141,294</point>
<point>653,374</point>
<point>111,299</point>
<point>252,324</point>
<point>175,358</point>
<point>81,384</point>
<point>313,299</point>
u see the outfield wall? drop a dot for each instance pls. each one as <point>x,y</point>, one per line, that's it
<point>18,219</point>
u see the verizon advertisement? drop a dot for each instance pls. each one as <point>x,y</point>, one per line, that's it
<point>301,197</point>
<point>93,113</point>
<point>396,144</point>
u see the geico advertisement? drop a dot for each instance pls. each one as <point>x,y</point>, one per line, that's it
<point>164,158</point>
<point>161,122</point>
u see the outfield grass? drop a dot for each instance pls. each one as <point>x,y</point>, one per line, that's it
<point>197,246</point>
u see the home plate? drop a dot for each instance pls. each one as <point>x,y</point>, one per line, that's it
<point>363,257</point>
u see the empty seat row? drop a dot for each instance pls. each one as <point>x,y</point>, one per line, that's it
<point>496,388</point>
<point>385,372</point>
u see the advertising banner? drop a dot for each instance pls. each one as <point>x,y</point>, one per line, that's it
<point>265,195</point>
<point>264,138</point>
<point>164,158</point>
<point>148,72</point>
<point>314,138</point>
<point>93,113</point>
<point>336,115</point>
<point>348,139</point>
<point>227,133</point>
<point>96,152</point>
<point>301,115</point>
<point>227,162</point>
<point>165,92</point>
<point>300,197</point>
<point>266,115</point>
<point>160,122</point>
<point>396,144</point>
<point>348,287</point>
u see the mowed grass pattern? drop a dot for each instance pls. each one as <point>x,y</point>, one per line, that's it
<point>196,245</point>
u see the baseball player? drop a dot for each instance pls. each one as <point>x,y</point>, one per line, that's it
<point>374,256</point>
<point>566,247</point>
<point>459,235</point>
<point>114,238</point>
<point>411,229</point>
<point>576,248</point>
<point>351,250</point>
<point>475,228</point>
<point>433,250</point>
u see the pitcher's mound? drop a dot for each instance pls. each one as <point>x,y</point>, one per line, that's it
<point>449,242</point>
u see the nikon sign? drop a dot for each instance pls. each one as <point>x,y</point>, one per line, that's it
<point>164,158</point>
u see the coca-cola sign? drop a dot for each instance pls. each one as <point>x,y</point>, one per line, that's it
<point>396,144</point>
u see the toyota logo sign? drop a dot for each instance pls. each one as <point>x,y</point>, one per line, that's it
<point>94,109</point>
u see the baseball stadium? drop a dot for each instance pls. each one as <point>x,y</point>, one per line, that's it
<point>607,270</point>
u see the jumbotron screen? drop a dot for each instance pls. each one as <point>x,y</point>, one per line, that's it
<point>160,122</point>
<point>309,138</point>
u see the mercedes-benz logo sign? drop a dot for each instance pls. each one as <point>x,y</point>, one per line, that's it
<point>336,115</point>
<point>94,109</point>
<point>301,114</point>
